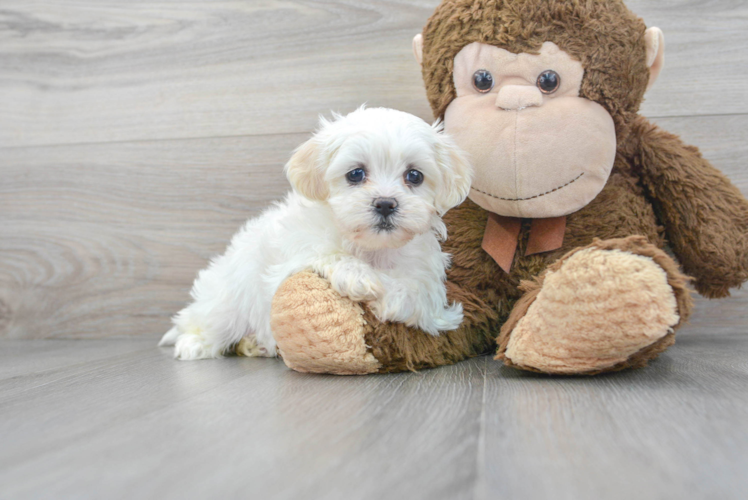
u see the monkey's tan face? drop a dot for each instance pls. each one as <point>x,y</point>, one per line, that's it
<point>538,149</point>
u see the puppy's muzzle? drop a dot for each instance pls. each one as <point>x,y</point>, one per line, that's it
<point>385,206</point>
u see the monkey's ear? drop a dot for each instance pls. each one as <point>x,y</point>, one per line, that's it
<point>305,173</point>
<point>457,174</point>
<point>418,48</point>
<point>655,40</point>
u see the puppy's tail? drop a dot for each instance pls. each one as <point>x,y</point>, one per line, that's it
<point>170,337</point>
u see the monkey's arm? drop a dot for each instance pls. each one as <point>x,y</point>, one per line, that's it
<point>705,215</point>
<point>319,331</point>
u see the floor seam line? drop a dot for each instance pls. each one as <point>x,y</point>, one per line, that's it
<point>479,493</point>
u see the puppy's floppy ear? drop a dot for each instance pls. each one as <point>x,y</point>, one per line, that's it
<point>457,174</point>
<point>305,173</point>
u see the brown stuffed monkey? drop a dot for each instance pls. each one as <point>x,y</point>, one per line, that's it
<point>557,254</point>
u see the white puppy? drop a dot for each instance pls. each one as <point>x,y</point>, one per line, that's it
<point>368,193</point>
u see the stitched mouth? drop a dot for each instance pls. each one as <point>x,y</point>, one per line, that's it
<point>575,179</point>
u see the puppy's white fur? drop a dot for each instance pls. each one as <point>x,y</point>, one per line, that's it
<point>329,225</point>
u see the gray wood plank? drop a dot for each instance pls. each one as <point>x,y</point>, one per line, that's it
<point>677,429</point>
<point>111,71</point>
<point>99,71</point>
<point>145,426</point>
<point>141,425</point>
<point>24,360</point>
<point>104,240</point>
<point>704,51</point>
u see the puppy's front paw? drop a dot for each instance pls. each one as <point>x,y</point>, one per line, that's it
<point>190,346</point>
<point>356,282</point>
<point>364,290</point>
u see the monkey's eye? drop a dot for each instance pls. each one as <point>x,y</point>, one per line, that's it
<point>356,176</point>
<point>482,81</point>
<point>414,177</point>
<point>549,81</point>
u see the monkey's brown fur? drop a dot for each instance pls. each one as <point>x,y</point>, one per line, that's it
<point>660,188</point>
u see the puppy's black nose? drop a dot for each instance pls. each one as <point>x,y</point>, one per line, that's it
<point>385,206</point>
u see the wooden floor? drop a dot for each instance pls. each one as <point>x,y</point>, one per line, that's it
<point>136,137</point>
<point>121,419</point>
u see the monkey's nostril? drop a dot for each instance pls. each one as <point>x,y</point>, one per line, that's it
<point>385,206</point>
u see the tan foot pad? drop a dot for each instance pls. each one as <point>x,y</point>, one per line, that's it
<point>594,311</point>
<point>319,331</point>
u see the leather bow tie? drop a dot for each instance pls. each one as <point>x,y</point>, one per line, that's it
<point>500,238</point>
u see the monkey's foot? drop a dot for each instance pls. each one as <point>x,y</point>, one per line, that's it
<point>319,331</point>
<point>612,305</point>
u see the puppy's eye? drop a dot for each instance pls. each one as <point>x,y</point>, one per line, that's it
<point>482,81</point>
<point>414,177</point>
<point>356,176</point>
<point>549,82</point>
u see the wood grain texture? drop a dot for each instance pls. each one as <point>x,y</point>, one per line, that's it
<point>676,429</point>
<point>30,364</point>
<point>105,240</point>
<point>141,425</point>
<point>137,424</point>
<point>110,71</point>
<point>706,65</point>
<point>107,70</point>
